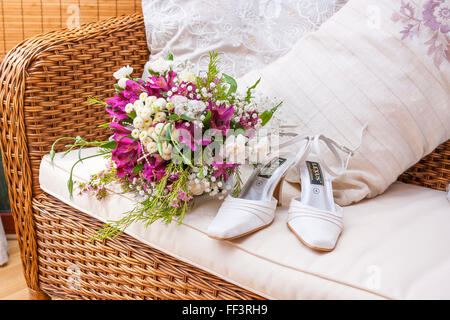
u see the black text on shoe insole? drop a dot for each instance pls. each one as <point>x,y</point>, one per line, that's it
<point>270,168</point>
<point>315,173</point>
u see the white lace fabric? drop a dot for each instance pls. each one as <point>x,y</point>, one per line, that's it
<point>248,34</point>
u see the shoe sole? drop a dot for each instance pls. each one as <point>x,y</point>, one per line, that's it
<point>306,244</point>
<point>244,234</point>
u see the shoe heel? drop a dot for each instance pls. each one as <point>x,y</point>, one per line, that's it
<point>277,192</point>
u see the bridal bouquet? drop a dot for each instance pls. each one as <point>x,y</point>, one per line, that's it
<point>174,135</point>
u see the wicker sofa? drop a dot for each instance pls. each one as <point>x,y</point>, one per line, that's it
<point>44,85</point>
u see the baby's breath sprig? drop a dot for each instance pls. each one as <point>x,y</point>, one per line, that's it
<point>165,204</point>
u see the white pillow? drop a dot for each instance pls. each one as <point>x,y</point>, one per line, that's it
<point>249,34</point>
<point>357,69</point>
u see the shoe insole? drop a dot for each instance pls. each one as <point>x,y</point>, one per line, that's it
<point>260,186</point>
<point>317,190</point>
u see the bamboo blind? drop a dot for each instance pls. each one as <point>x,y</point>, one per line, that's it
<point>21,19</point>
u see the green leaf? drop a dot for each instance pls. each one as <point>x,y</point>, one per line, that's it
<point>138,168</point>
<point>70,186</point>
<point>132,115</point>
<point>185,117</point>
<point>79,152</point>
<point>233,84</point>
<point>109,145</point>
<point>159,145</point>
<point>174,117</point>
<point>52,154</point>
<point>267,114</point>
<point>105,125</point>
<point>249,93</point>
<point>170,57</point>
<point>118,88</point>
<point>201,174</point>
<point>206,121</point>
<point>95,101</point>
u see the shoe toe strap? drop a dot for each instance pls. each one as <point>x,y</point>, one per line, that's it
<point>263,210</point>
<point>299,210</point>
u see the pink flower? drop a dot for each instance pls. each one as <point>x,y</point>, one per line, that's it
<point>116,104</point>
<point>249,121</point>
<point>155,169</point>
<point>126,153</point>
<point>223,170</point>
<point>436,15</point>
<point>220,117</point>
<point>191,135</point>
<point>162,83</point>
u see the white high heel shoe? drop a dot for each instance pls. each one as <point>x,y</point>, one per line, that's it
<point>254,208</point>
<point>314,217</point>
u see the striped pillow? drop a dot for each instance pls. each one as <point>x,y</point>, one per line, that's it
<point>369,64</point>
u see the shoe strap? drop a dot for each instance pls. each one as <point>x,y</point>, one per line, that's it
<point>334,146</point>
<point>297,210</point>
<point>264,210</point>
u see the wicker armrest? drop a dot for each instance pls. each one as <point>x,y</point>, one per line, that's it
<point>44,84</point>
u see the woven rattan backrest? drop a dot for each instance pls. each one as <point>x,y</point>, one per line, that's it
<point>59,81</point>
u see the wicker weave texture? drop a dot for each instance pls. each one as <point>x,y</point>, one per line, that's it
<point>44,82</point>
<point>71,266</point>
<point>433,171</point>
<point>22,19</point>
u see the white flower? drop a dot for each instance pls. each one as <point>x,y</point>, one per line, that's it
<point>159,65</point>
<point>196,188</point>
<point>187,76</point>
<point>123,72</point>
<point>151,147</point>
<point>145,114</point>
<point>148,122</point>
<point>160,116</point>
<point>196,106</point>
<point>135,133</point>
<point>166,148</point>
<point>175,133</point>
<point>160,129</point>
<point>143,135</point>
<point>149,100</point>
<point>138,104</point>
<point>122,82</point>
<point>178,100</point>
<point>129,108</point>
<point>166,156</point>
<point>138,122</point>
<point>143,96</point>
<point>146,141</point>
<point>160,102</point>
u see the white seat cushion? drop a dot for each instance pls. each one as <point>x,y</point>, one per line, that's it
<point>394,246</point>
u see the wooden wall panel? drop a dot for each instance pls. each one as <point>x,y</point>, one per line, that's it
<point>21,19</point>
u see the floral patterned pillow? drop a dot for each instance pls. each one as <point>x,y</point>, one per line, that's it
<point>428,21</point>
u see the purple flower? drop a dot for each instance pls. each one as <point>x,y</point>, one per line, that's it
<point>220,117</point>
<point>116,104</point>
<point>161,83</point>
<point>183,196</point>
<point>154,169</point>
<point>126,153</point>
<point>223,170</point>
<point>191,135</point>
<point>436,15</point>
<point>249,121</point>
